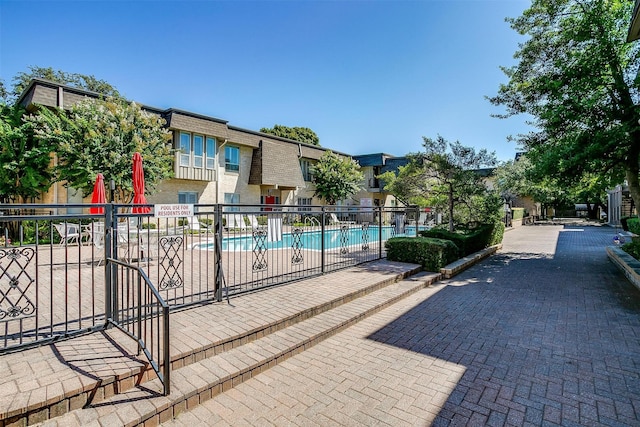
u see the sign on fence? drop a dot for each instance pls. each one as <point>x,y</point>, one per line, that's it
<point>175,210</point>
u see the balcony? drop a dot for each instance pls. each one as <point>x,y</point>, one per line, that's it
<point>190,172</point>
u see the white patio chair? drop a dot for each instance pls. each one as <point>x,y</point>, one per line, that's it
<point>333,219</point>
<point>69,233</point>
<point>195,225</point>
<point>253,221</point>
<point>239,220</point>
<point>96,232</point>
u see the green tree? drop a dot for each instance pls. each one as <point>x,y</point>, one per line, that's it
<point>336,178</point>
<point>80,81</point>
<point>408,184</point>
<point>3,93</point>
<point>101,136</point>
<point>511,179</point>
<point>578,78</point>
<point>300,134</point>
<point>446,173</point>
<point>25,170</point>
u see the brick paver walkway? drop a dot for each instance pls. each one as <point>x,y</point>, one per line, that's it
<point>544,333</point>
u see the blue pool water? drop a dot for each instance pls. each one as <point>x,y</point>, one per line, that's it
<point>310,239</point>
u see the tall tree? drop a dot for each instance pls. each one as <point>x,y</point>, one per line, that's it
<point>300,134</point>
<point>80,81</point>
<point>446,172</point>
<point>578,78</point>
<point>336,178</point>
<point>101,136</point>
<point>25,170</point>
<point>408,183</point>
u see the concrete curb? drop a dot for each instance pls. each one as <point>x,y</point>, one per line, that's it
<point>450,270</point>
<point>626,263</point>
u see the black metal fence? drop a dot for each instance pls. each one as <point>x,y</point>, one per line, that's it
<point>56,280</point>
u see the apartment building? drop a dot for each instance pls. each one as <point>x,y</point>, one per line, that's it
<point>372,193</point>
<point>214,162</point>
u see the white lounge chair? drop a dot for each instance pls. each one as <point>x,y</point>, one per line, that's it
<point>69,233</point>
<point>333,219</point>
<point>239,220</point>
<point>195,225</point>
<point>253,221</point>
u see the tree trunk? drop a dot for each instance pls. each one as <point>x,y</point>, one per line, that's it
<point>592,210</point>
<point>451,228</point>
<point>633,169</point>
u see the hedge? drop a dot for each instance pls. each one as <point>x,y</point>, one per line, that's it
<point>633,225</point>
<point>470,241</point>
<point>431,254</point>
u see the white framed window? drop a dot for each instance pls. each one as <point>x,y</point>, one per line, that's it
<point>185,149</point>
<point>198,151</point>
<point>188,197</point>
<point>210,151</point>
<point>305,166</point>
<point>231,159</point>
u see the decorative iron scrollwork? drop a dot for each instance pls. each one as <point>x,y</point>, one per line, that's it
<point>14,301</point>
<point>260,249</point>
<point>344,239</point>
<point>365,236</point>
<point>296,245</point>
<point>170,262</point>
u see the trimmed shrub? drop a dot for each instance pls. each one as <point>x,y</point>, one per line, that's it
<point>431,254</point>
<point>470,241</point>
<point>633,225</point>
<point>632,248</point>
<point>623,222</point>
<point>497,233</point>
<point>458,238</point>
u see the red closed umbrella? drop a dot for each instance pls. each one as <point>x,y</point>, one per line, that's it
<point>99,195</point>
<point>138,185</point>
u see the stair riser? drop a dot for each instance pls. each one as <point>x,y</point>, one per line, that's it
<point>193,400</point>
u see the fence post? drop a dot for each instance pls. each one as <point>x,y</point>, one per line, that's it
<point>108,253</point>
<point>379,232</point>
<point>322,233</point>
<point>217,254</point>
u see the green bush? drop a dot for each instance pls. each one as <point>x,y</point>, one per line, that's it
<point>470,241</point>
<point>497,233</point>
<point>633,225</point>
<point>632,248</point>
<point>458,238</point>
<point>517,213</point>
<point>431,254</point>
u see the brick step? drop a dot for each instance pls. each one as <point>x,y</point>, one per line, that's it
<point>199,381</point>
<point>91,369</point>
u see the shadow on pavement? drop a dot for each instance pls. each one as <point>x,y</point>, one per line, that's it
<point>543,337</point>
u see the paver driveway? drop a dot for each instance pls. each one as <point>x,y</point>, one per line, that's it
<point>546,332</point>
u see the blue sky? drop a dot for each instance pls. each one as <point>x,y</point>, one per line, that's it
<point>366,76</point>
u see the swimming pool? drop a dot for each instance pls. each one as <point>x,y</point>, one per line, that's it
<point>311,239</point>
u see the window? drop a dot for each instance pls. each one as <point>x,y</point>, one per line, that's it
<point>198,150</point>
<point>185,149</point>
<point>231,199</point>
<point>231,159</point>
<point>194,151</point>
<point>188,197</point>
<point>304,201</point>
<point>305,166</point>
<point>211,153</point>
